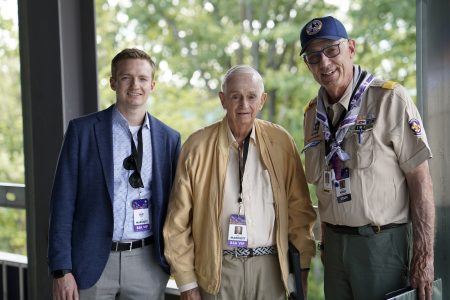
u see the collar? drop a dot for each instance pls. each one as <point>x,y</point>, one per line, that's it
<point>118,117</point>
<point>232,140</point>
<point>344,101</point>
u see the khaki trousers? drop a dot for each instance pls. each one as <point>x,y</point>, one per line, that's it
<point>257,278</point>
<point>129,275</point>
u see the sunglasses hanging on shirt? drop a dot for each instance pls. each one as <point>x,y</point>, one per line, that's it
<point>134,162</point>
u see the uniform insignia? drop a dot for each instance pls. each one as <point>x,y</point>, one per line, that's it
<point>313,27</point>
<point>365,119</point>
<point>315,130</point>
<point>363,123</point>
<point>414,124</point>
<point>389,85</point>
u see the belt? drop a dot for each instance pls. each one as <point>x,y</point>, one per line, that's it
<point>119,246</point>
<point>250,252</point>
<point>366,230</point>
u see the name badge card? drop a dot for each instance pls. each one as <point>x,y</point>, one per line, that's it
<point>342,186</point>
<point>328,177</point>
<point>237,231</point>
<point>141,216</point>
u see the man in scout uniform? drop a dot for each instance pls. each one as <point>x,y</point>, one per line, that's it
<point>367,154</point>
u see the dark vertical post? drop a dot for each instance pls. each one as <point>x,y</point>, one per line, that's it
<point>433,77</point>
<point>59,82</point>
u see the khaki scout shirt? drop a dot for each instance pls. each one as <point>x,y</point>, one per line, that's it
<point>379,158</point>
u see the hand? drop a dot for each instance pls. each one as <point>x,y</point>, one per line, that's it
<point>193,294</point>
<point>65,288</point>
<point>422,274</point>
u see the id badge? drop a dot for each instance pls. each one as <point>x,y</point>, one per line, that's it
<point>328,180</point>
<point>237,231</point>
<point>141,216</point>
<point>342,187</point>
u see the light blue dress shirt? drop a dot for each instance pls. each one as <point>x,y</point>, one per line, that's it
<point>124,193</point>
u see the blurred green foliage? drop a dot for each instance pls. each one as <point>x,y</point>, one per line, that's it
<point>194,42</point>
<point>12,221</point>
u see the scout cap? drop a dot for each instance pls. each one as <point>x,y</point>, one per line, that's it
<point>322,28</point>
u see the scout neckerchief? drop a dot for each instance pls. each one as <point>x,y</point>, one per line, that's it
<point>361,81</point>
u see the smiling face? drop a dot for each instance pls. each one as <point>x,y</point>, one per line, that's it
<point>335,73</point>
<point>133,82</point>
<point>243,97</point>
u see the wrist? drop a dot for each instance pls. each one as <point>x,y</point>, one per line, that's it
<point>60,273</point>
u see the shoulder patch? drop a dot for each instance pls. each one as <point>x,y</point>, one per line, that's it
<point>310,105</point>
<point>389,85</point>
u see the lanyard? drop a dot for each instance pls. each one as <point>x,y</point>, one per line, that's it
<point>242,153</point>
<point>362,82</point>
<point>137,154</point>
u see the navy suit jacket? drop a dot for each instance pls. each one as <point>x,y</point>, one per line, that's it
<point>81,211</point>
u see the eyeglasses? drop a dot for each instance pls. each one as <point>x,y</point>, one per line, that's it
<point>329,51</point>
<point>135,180</point>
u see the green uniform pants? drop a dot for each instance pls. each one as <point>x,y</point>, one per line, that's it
<point>366,267</point>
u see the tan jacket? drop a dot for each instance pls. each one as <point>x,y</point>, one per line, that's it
<point>193,238</point>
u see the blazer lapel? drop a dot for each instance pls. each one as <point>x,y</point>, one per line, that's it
<point>158,158</point>
<point>103,134</point>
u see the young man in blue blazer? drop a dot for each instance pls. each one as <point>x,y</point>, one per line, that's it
<point>110,192</point>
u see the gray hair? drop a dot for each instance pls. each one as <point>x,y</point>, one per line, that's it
<point>240,69</point>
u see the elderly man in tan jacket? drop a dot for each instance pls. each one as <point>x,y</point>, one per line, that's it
<point>239,172</point>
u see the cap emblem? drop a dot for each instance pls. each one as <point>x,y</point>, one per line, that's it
<point>313,27</point>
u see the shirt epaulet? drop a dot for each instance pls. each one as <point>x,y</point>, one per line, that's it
<point>384,84</point>
<point>389,85</point>
<point>310,105</point>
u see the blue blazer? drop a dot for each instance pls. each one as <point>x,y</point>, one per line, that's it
<point>81,211</point>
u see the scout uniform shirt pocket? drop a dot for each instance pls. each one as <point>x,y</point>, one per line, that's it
<point>359,145</point>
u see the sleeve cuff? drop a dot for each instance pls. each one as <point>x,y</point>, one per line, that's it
<point>187,287</point>
<point>416,160</point>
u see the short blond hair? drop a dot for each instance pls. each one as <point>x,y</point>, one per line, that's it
<point>131,53</point>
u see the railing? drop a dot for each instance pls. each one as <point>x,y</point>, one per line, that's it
<point>13,276</point>
<point>13,267</point>
<point>12,195</point>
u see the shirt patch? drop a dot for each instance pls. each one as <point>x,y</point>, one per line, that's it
<point>364,122</point>
<point>315,130</point>
<point>315,135</point>
<point>415,126</point>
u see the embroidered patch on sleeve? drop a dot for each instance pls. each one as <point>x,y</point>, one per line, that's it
<point>415,126</point>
